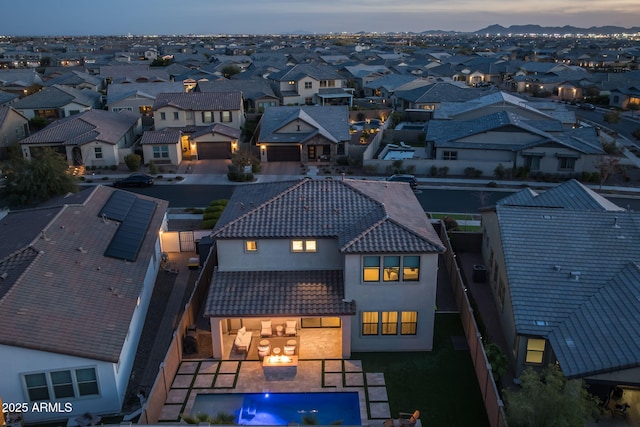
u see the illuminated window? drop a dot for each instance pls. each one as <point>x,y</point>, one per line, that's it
<point>409,323</point>
<point>389,323</point>
<point>225,116</point>
<point>535,350</point>
<point>250,246</point>
<point>411,268</point>
<point>303,245</point>
<point>370,323</point>
<point>391,270</point>
<point>371,268</point>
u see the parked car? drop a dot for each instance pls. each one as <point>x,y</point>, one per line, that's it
<point>134,180</point>
<point>413,182</point>
<point>587,106</point>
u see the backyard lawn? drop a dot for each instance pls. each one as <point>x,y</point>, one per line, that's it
<point>441,383</point>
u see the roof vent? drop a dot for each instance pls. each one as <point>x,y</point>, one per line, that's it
<point>82,250</point>
<point>558,267</point>
<point>575,275</point>
<point>4,275</point>
<point>615,222</point>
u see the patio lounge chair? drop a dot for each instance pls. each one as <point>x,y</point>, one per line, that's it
<point>290,328</point>
<point>265,329</point>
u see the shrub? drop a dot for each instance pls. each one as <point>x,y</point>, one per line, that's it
<point>179,178</point>
<point>209,224</point>
<point>492,184</point>
<point>433,171</point>
<point>342,161</point>
<point>113,167</point>
<point>450,223</point>
<point>153,169</point>
<point>443,171</point>
<point>133,162</point>
<point>219,202</point>
<point>370,169</point>
<point>472,172</point>
<point>104,178</point>
<point>500,171</point>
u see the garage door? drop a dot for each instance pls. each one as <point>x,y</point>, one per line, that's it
<point>283,154</point>
<point>214,150</point>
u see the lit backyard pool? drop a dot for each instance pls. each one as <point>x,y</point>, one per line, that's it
<point>283,408</point>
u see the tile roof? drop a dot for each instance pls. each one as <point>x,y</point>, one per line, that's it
<point>330,121</point>
<point>569,195</point>
<point>300,71</point>
<point>365,216</point>
<point>200,101</point>
<point>218,128</point>
<point>554,282</point>
<point>271,293</point>
<point>58,96</point>
<point>71,299</point>
<point>119,91</point>
<point>92,125</point>
<point>165,136</point>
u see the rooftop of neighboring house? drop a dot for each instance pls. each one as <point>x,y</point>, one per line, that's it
<point>200,101</point>
<point>332,122</point>
<point>60,276</point>
<point>92,125</point>
<point>58,96</point>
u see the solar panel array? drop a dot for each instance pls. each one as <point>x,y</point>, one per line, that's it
<point>134,215</point>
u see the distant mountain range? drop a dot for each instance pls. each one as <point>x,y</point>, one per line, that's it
<point>567,29</point>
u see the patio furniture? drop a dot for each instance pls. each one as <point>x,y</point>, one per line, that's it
<point>264,348</point>
<point>279,330</point>
<point>290,348</point>
<point>265,328</point>
<point>290,328</point>
<point>243,340</point>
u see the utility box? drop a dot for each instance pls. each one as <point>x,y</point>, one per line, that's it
<point>479,273</point>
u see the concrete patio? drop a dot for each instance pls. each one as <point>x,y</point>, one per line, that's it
<point>247,376</point>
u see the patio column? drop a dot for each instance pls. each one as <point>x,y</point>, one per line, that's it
<point>216,337</point>
<point>346,336</point>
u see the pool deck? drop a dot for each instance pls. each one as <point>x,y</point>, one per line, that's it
<point>247,376</point>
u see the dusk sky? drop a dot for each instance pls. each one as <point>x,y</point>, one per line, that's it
<point>120,17</point>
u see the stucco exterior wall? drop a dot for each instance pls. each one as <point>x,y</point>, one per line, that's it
<point>276,255</point>
<point>396,296</point>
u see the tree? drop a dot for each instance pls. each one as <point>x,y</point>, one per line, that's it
<point>547,398</point>
<point>612,117</point>
<point>44,176</point>
<point>133,161</point>
<point>230,70</point>
<point>608,165</point>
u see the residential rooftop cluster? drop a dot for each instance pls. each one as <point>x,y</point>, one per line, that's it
<point>356,256</point>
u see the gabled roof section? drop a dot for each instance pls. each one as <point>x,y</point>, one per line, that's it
<point>600,336</point>
<point>569,195</point>
<point>57,96</point>
<point>164,136</point>
<point>330,121</point>
<point>92,125</point>
<point>200,101</point>
<point>218,128</point>
<point>300,71</point>
<point>362,215</point>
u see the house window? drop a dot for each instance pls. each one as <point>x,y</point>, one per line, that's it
<point>391,269</point>
<point>308,101</point>
<point>97,151</point>
<point>163,116</point>
<point>160,151</point>
<point>303,245</point>
<point>532,163</point>
<point>207,117</point>
<point>189,115</point>
<point>225,116</point>
<point>250,246</point>
<point>176,115</point>
<point>409,323</point>
<point>411,268</point>
<point>449,155</point>
<point>501,292</point>
<point>62,384</point>
<point>371,269</point>
<point>37,388</point>
<point>327,83</point>
<point>535,350</point>
<point>566,163</point>
<point>308,85</point>
<point>389,323</point>
<point>370,323</point>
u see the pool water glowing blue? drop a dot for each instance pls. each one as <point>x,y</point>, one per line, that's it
<point>282,408</point>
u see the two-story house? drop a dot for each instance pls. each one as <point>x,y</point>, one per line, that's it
<point>303,133</point>
<point>563,268</point>
<point>198,109</point>
<point>305,84</point>
<point>77,277</point>
<point>93,138</point>
<point>357,255</point>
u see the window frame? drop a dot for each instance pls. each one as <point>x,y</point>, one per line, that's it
<point>308,85</point>
<point>251,246</point>
<point>407,271</point>
<point>533,349</point>
<point>160,151</point>
<point>388,323</point>
<point>226,116</point>
<point>176,115</point>
<point>449,155</point>
<point>563,164</point>
<point>75,388</point>
<point>304,245</point>
<point>97,152</point>
<point>410,324</point>
<point>163,115</point>
<point>370,327</point>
